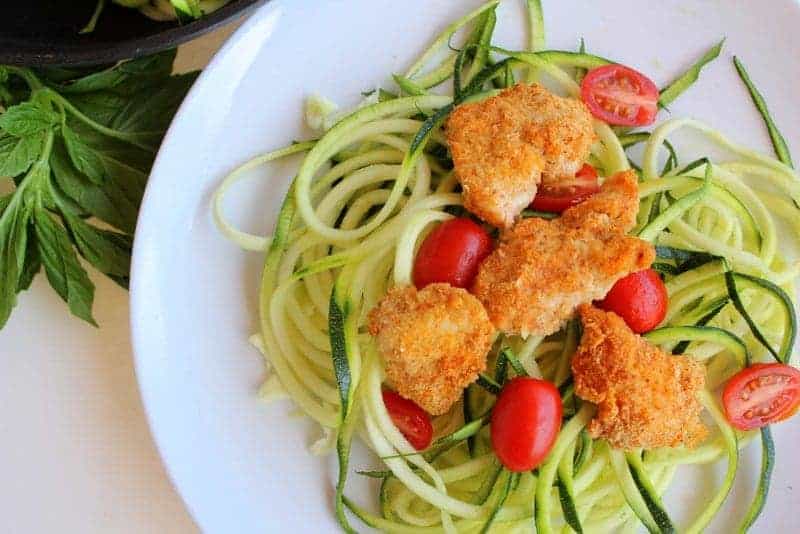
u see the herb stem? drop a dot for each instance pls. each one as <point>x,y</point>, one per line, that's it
<point>27,75</point>
<point>110,132</point>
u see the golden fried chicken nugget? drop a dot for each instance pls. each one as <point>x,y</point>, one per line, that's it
<point>503,146</point>
<point>612,209</point>
<point>534,281</point>
<point>433,341</point>
<point>646,398</point>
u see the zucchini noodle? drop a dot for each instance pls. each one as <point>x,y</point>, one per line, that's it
<point>364,197</point>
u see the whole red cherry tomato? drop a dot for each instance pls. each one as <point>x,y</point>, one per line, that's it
<point>525,422</point>
<point>452,253</point>
<point>640,299</point>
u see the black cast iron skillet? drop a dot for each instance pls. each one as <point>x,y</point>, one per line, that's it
<point>45,32</point>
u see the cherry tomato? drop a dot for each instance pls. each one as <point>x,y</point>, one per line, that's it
<point>564,194</point>
<point>525,422</point>
<point>620,95</point>
<point>640,299</point>
<point>761,394</point>
<point>452,253</point>
<point>412,421</point>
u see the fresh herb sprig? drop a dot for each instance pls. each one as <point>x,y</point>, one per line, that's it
<point>78,147</point>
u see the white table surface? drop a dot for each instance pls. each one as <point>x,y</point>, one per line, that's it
<point>75,451</point>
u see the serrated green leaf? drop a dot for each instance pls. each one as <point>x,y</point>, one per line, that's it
<point>152,111</point>
<point>64,272</point>
<point>147,70</point>
<point>32,264</point>
<point>108,202</point>
<point>83,156</point>
<point>13,242</point>
<point>109,252</point>
<point>27,119</point>
<point>92,170</point>
<point>17,154</point>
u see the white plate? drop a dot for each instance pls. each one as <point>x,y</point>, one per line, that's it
<point>242,466</point>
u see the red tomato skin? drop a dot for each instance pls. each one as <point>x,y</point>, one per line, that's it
<point>640,299</point>
<point>744,399</point>
<point>452,253</point>
<point>525,422</point>
<point>411,420</point>
<point>553,199</point>
<point>638,88</point>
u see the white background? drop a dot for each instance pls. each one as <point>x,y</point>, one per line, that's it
<point>75,451</point>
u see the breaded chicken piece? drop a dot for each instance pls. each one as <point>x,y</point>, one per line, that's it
<point>612,209</point>
<point>646,398</point>
<point>503,146</point>
<point>534,281</point>
<point>433,341</point>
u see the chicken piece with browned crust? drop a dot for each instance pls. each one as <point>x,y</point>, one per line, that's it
<point>645,397</point>
<point>503,146</point>
<point>433,341</point>
<point>534,281</point>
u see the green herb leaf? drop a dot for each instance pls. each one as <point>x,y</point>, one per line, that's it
<point>27,119</point>
<point>17,154</point>
<point>107,202</point>
<point>78,144</point>
<point>32,264</point>
<point>85,159</point>
<point>109,252</point>
<point>150,112</point>
<point>136,73</point>
<point>64,271</point>
<point>13,242</point>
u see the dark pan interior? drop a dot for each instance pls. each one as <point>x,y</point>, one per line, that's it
<point>45,32</point>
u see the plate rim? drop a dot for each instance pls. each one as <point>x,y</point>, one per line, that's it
<point>146,225</point>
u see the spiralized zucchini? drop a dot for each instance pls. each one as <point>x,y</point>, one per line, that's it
<point>364,197</point>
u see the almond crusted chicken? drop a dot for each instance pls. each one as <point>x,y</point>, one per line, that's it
<point>504,146</point>
<point>543,269</point>
<point>645,397</point>
<point>433,341</point>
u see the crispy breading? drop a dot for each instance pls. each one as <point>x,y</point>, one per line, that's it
<point>503,146</point>
<point>612,209</point>
<point>434,342</point>
<point>646,398</point>
<point>542,270</point>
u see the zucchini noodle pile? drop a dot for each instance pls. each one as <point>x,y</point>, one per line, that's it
<point>364,197</point>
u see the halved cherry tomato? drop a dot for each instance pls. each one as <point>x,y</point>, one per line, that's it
<point>640,299</point>
<point>452,253</point>
<point>559,196</point>
<point>411,420</point>
<point>620,95</point>
<point>761,394</point>
<point>525,422</point>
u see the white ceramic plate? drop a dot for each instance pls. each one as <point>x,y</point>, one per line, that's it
<point>242,466</point>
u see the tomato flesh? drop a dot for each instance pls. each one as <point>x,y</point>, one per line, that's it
<point>525,422</point>
<point>620,95</point>
<point>640,299</point>
<point>411,420</point>
<point>559,196</point>
<point>761,394</point>
<point>452,253</point>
